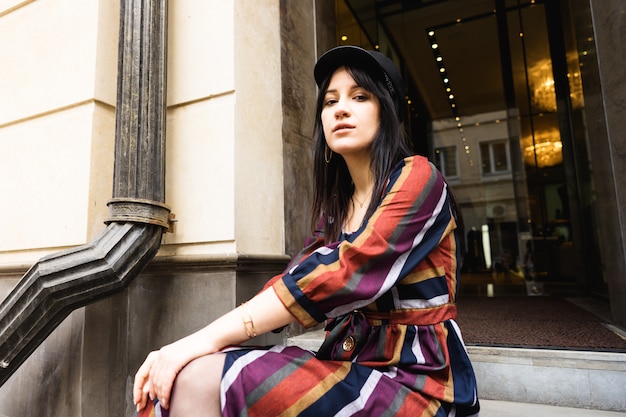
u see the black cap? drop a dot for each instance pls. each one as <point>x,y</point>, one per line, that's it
<point>342,55</point>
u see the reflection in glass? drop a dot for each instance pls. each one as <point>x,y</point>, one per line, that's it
<point>543,149</point>
<point>488,75</point>
<point>445,160</point>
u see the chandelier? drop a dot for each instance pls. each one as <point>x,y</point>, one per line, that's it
<point>545,151</point>
<point>543,96</point>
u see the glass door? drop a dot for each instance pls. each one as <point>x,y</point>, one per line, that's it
<point>495,100</point>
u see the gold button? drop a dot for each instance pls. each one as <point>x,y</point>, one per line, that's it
<point>349,344</point>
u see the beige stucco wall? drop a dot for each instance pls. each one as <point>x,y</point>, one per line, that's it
<point>57,92</point>
<point>224,143</point>
<point>224,152</point>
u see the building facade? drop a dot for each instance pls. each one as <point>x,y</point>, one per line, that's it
<point>240,106</point>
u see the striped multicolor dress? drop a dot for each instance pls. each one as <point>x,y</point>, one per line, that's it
<point>387,293</point>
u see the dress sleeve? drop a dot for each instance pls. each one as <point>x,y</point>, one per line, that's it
<point>334,279</point>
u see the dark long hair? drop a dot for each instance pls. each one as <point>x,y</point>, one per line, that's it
<point>333,183</point>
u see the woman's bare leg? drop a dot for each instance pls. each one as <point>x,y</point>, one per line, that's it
<point>197,388</point>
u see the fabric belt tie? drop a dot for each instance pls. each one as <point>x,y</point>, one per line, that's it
<point>416,316</point>
<point>347,334</point>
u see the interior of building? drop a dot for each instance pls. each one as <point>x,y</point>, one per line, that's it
<point>495,100</point>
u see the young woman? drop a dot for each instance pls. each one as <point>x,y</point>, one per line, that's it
<point>381,271</point>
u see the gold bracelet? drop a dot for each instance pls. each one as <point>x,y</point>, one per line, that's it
<point>248,324</point>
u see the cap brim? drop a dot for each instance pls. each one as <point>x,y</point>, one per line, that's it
<point>336,57</point>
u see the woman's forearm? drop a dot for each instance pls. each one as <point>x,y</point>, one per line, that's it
<point>264,312</point>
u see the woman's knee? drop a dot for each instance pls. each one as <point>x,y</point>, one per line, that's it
<point>197,388</point>
<point>200,377</point>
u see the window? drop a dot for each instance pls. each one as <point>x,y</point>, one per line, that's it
<point>494,157</point>
<point>445,160</point>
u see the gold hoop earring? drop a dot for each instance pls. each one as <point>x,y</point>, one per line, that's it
<point>327,156</point>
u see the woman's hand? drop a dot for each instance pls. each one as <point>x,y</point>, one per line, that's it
<point>155,377</point>
<point>141,387</point>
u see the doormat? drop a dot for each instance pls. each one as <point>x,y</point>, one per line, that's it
<point>534,322</point>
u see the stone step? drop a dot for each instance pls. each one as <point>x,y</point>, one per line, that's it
<point>565,378</point>
<point>494,408</point>
<point>583,380</point>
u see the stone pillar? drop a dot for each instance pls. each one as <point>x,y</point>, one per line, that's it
<point>605,102</point>
<point>307,31</point>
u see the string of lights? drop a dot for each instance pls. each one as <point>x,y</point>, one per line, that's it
<point>439,61</point>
